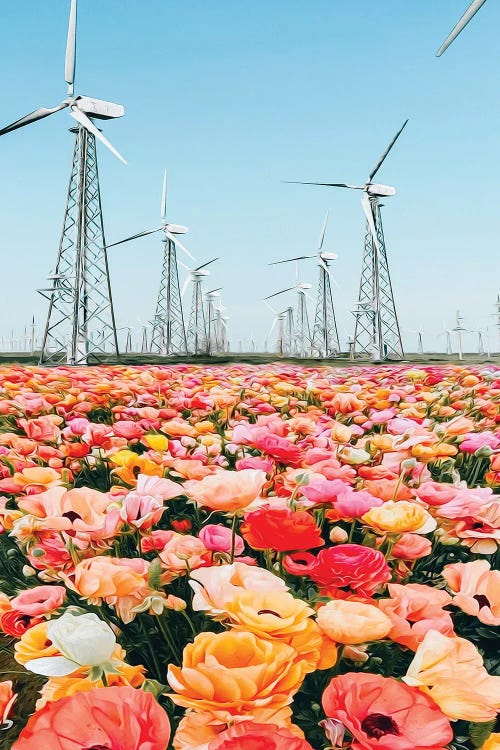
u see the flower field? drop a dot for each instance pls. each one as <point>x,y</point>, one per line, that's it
<point>249,558</point>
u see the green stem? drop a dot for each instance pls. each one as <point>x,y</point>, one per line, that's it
<point>152,653</point>
<point>187,617</point>
<point>233,536</point>
<point>168,638</point>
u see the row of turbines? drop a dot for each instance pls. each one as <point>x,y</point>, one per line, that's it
<point>80,326</point>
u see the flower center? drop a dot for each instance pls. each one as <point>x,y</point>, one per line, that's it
<point>377,725</point>
<point>72,517</point>
<point>268,612</point>
<point>482,600</point>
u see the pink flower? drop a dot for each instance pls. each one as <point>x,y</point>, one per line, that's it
<point>43,429</point>
<point>128,429</point>
<point>411,547</point>
<point>141,511</point>
<point>473,441</point>
<point>218,538</point>
<point>255,462</point>
<point>324,490</point>
<point>39,601</point>
<point>351,504</point>
<point>436,493</point>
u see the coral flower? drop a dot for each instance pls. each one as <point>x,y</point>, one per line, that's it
<point>382,713</point>
<point>229,674</point>
<point>351,622</point>
<point>451,671</point>
<point>281,529</point>
<point>249,735</point>
<point>112,717</point>
<point>413,610</point>
<point>227,491</point>
<point>476,588</point>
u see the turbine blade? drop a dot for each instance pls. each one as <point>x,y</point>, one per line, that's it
<point>325,184</point>
<point>198,268</point>
<point>270,307</point>
<point>69,67</point>
<point>37,114</point>
<point>365,202</point>
<point>87,123</point>
<point>386,152</point>
<point>183,264</point>
<point>272,327</point>
<point>323,231</point>
<point>282,291</point>
<point>163,209</point>
<point>135,236</point>
<point>176,242</point>
<point>469,13</point>
<point>290,260</point>
<point>187,281</point>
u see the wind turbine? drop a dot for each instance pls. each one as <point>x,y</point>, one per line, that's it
<point>79,292</point>
<point>279,320</point>
<point>497,315</point>
<point>420,345</point>
<point>197,334</point>
<point>458,330</point>
<point>210,297</point>
<point>301,335</point>
<point>377,329</point>
<point>469,13</point>
<point>325,338</point>
<point>169,332</point>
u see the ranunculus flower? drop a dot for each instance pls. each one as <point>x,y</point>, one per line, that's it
<point>218,538</point>
<point>278,448</point>
<point>400,517</point>
<point>476,588</point>
<point>411,547</point>
<point>228,674</point>
<point>249,735</point>
<point>82,640</point>
<point>413,610</point>
<point>217,585</point>
<point>111,717</point>
<point>7,698</point>
<point>34,644</point>
<point>492,743</point>
<point>352,622</point>
<point>352,566</point>
<point>281,529</point>
<point>383,713</point>
<point>451,671</point>
<point>39,601</point>
<point>227,491</point>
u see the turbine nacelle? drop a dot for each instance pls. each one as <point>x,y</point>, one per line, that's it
<point>176,228</point>
<point>380,190</point>
<point>98,108</point>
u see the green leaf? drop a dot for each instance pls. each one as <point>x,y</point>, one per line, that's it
<point>479,733</point>
<point>154,687</point>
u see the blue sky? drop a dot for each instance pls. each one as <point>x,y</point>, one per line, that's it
<point>234,97</point>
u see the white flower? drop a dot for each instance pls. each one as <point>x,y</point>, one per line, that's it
<point>83,640</point>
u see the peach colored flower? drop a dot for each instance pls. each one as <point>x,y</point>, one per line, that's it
<point>215,586</point>
<point>351,622</point>
<point>183,552</point>
<point>229,674</point>
<point>411,547</point>
<point>227,491</point>
<point>400,517</point>
<point>451,671</point>
<point>7,699</point>
<point>413,610</point>
<point>476,589</point>
<point>249,735</point>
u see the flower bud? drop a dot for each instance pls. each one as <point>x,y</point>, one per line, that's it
<point>338,534</point>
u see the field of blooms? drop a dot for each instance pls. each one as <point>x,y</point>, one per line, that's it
<point>249,558</point>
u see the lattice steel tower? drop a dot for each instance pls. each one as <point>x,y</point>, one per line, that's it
<point>376,330</point>
<point>80,324</point>
<point>169,333</point>
<point>325,338</point>
<point>80,327</point>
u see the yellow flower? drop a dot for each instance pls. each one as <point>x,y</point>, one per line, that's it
<point>400,517</point>
<point>156,442</point>
<point>34,644</point>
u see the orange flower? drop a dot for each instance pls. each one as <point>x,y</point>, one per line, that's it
<point>229,674</point>
<point>476,588</point>
<point>227,491</point>
<point>492,743</point>
<point>351,622</point>
<point>451,671</point>
<point>34,644</point>
<point>111,717</point>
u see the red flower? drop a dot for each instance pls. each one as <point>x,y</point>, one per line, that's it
<point>118,718</point>
<point>16,623</point>
<point>281,529</point>
<point>181,525</point>
<point>352,566</point>
<point>382,713</point>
